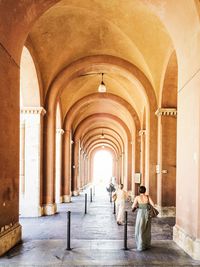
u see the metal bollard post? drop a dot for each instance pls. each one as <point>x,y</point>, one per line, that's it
<point>125,230</point>
<point>110,197</point>
<point>90,194</point>
<point>114,210</point>
<point>85,203</point>
<point>68,229</point>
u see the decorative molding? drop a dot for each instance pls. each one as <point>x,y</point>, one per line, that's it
<point>60,131</point>
<point>189,244</point>
<point>33,110</point>
<point>142,132</point>
<point>166,112</point>
<point>9,237</point>
<point>49,209</point>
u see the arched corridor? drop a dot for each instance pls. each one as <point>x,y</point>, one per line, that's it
<point>79,78</point>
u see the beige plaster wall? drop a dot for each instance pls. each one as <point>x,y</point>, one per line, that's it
<point>188,148</point>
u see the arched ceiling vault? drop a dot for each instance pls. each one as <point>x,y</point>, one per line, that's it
<point>106,103</point>
<point>65,33</point>
<point>105,143</point>
<point>98,147</point>
<point>99,131</point>
<point>85,125</point>
<point>109,138</point>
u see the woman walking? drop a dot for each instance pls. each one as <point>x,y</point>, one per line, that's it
<point>121,195</point>
<point>143,222</point>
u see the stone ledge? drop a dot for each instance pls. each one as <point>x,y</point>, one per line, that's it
<point>9,238</point>
<point>166,211</point>
<point>189,244</point>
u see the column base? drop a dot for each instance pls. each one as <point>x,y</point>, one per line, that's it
<point>66,198</point>
<point>31,211</point>
<point>166,211</point>
<point>190,245</point>
<point>9,237</point>
<point>75,193</point>
<point>49,209</point>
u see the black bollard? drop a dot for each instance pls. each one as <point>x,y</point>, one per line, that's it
<point>68,229</point>
<point>90,194</point>
<point>114,210</point>
<point>125,230</point>
<point>110,197</point>
<point>85,203</point>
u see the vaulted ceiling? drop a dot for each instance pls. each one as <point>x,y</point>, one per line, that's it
<point>128,30</point>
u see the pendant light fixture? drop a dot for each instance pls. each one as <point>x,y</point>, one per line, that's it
<point>102,135</point>
<point>102,87</point>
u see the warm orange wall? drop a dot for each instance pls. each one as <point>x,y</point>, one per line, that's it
<point>168,160</point>
<point>9,139</point>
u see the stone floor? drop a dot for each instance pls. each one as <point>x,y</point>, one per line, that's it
<point>96,240</point>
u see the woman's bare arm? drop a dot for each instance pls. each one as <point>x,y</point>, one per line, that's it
<point>151,201</point>
<point>135,203</point>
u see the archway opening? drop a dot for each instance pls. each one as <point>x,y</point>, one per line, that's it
<point>31,114</point>
<point>102,170</point>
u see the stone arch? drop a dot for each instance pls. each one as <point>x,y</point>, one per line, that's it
<point>108,137</point>
<point>91,155</point>
<point>31,121</point>
<point>111,131</point>
<point>74,70</point>
<point>88,121</point>
<point>30,91</point>
<point>58,157</point>
<point>71,114</point>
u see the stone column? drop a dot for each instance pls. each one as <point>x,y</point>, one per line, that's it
<point>30,195</point>
<point>22,161</point>
<point>9,151</point>
<point>58,164</point>
<point>142,134</point>
<point>76,173</point>
<point>81,169</point>
<point>166,166</point>
<point>66,167</point>
<point>129,171</point>
<point>86,170</point>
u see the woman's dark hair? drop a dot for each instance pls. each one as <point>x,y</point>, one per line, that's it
<point>142,189</point>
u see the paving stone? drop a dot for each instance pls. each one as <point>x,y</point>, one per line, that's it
<point>96,240</point>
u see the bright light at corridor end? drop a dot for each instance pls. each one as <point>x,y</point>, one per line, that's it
<point>102,168</point>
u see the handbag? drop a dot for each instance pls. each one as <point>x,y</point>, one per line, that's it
<point>152,212</point>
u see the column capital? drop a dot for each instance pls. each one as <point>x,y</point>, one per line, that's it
<point>142,132</point>
<point>166,112</point>
<point>33,110</point>
<point>60,131</point>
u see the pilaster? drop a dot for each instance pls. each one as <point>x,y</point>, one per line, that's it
<point>166,161</point>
